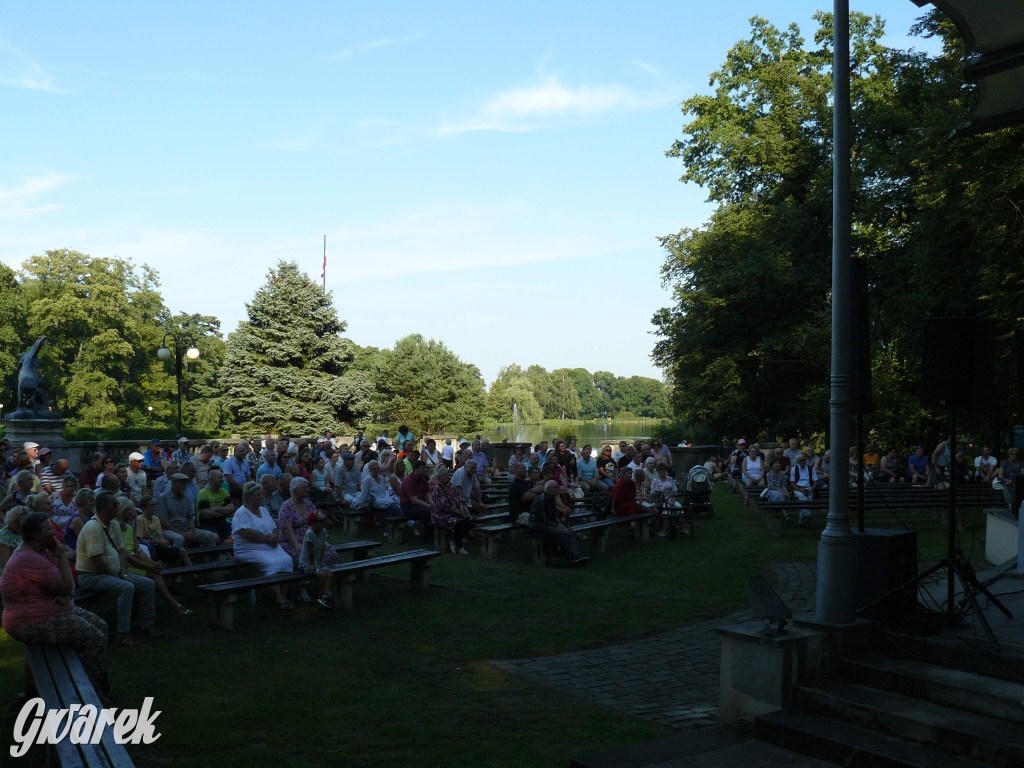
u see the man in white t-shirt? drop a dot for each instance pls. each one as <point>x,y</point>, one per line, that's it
<point>447,453</point>
<point>803,477</point>
<point>985,467</point>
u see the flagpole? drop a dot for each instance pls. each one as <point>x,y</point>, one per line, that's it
<point>323,273</point>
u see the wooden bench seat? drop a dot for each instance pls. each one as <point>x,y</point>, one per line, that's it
<point>598,529</point>
<point>55,674</point>
<point>223,594</point>
<point>212,553</point>
<point>359,550</point>
<point>490,535</point>
<point>346,574</point>
<point>903,496</point>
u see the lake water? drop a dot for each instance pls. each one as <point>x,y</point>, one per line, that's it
<point>586,431</point>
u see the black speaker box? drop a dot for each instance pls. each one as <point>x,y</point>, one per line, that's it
<point>957,358</point>
<point>886,559</point>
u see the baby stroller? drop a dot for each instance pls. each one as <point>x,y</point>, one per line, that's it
<point>697,495</point>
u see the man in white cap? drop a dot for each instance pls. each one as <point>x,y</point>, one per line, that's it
<point>183,454</point>
<point>447,453</point>
<point>138,481</point>
<point>32,449</point>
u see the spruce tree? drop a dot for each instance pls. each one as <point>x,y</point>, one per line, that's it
<point>287,367</point>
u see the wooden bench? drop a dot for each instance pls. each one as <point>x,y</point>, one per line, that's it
<point>346,574</point>
<point>490,534</point>
<point>204,553</point>
<point>359,550</point>
<point>876,496</point>
<point>598,529</point>
<point>224,594</point>
<point>55,674</point>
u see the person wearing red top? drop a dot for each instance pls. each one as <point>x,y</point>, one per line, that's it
<point>36,587</point>
<point>624,493</point>
<point>414,498</point>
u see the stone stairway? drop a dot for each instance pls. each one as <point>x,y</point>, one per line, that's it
<point>880,711</point>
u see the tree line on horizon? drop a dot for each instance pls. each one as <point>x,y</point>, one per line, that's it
<point>287,367</point>
<point>938,225</point>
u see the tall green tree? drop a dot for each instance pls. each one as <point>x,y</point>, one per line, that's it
<point>13,335</point>
<point>424,385</point>
<point>512,387</point>
<point>937,223</point>
<point>100,319</point>
<point>287,367</point>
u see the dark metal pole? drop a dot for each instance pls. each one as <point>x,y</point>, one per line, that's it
<point>837,546</point>
<point>177,372</point>
<point>951,528</point>
<point>860,473</point>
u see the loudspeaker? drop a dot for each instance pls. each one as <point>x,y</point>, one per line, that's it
<point>885,560</point>
<point>861,399</point>
<point>957,357</point>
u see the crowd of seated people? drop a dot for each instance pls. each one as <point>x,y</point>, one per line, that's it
<point>798,472</point>
<point>115,525</point>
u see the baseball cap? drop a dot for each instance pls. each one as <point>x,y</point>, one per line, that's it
<point>182,439</point>
<point>44,451</point>
<point>348,456</point>
<point>179,476</point>
<point>155,441</point>
<point>136,457</point>
<point>741,441</point>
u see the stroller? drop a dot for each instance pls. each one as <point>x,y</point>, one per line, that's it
<point>697,494</point>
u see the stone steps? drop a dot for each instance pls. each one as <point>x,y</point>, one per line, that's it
<point>849,745</point>
<point>955,688</point>
<point>988,739</point>
<point>904,713</point>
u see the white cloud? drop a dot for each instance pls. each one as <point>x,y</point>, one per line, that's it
<point>531,107</point>
<point>20,202</point>
<point>383,42</point>
<point>19,70</point>
<point>648,68</point>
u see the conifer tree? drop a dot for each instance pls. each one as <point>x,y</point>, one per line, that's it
<point>287,367</point>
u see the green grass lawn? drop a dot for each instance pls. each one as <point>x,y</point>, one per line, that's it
<point>405,679</point>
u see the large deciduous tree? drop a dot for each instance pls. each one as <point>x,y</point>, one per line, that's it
<point>100,319</point>
<point>287,366</point>
<point>512,388</point>
<point>937,224</point>
<point>424,385</point>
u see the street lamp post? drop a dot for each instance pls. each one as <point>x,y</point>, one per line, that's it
<point>184,347</point>
<point>150,409</point>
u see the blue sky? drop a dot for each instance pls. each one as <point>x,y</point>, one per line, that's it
<point>482,171</point>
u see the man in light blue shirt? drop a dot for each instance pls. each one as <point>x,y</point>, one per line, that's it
<point>163,483</point>
<point>236,470</point>
<point>269,466</point>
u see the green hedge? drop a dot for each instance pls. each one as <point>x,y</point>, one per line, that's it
<point>74,434</point>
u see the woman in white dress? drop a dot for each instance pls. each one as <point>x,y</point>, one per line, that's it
<point>255,538</point>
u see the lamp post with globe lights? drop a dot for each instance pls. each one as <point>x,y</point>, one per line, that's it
<point>184,348</point>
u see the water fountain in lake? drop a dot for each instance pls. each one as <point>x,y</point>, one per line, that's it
<point>517,424</point>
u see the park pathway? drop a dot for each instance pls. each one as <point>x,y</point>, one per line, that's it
<point>670,677</point>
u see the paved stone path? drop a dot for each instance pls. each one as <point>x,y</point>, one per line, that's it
<point>670,677</point>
